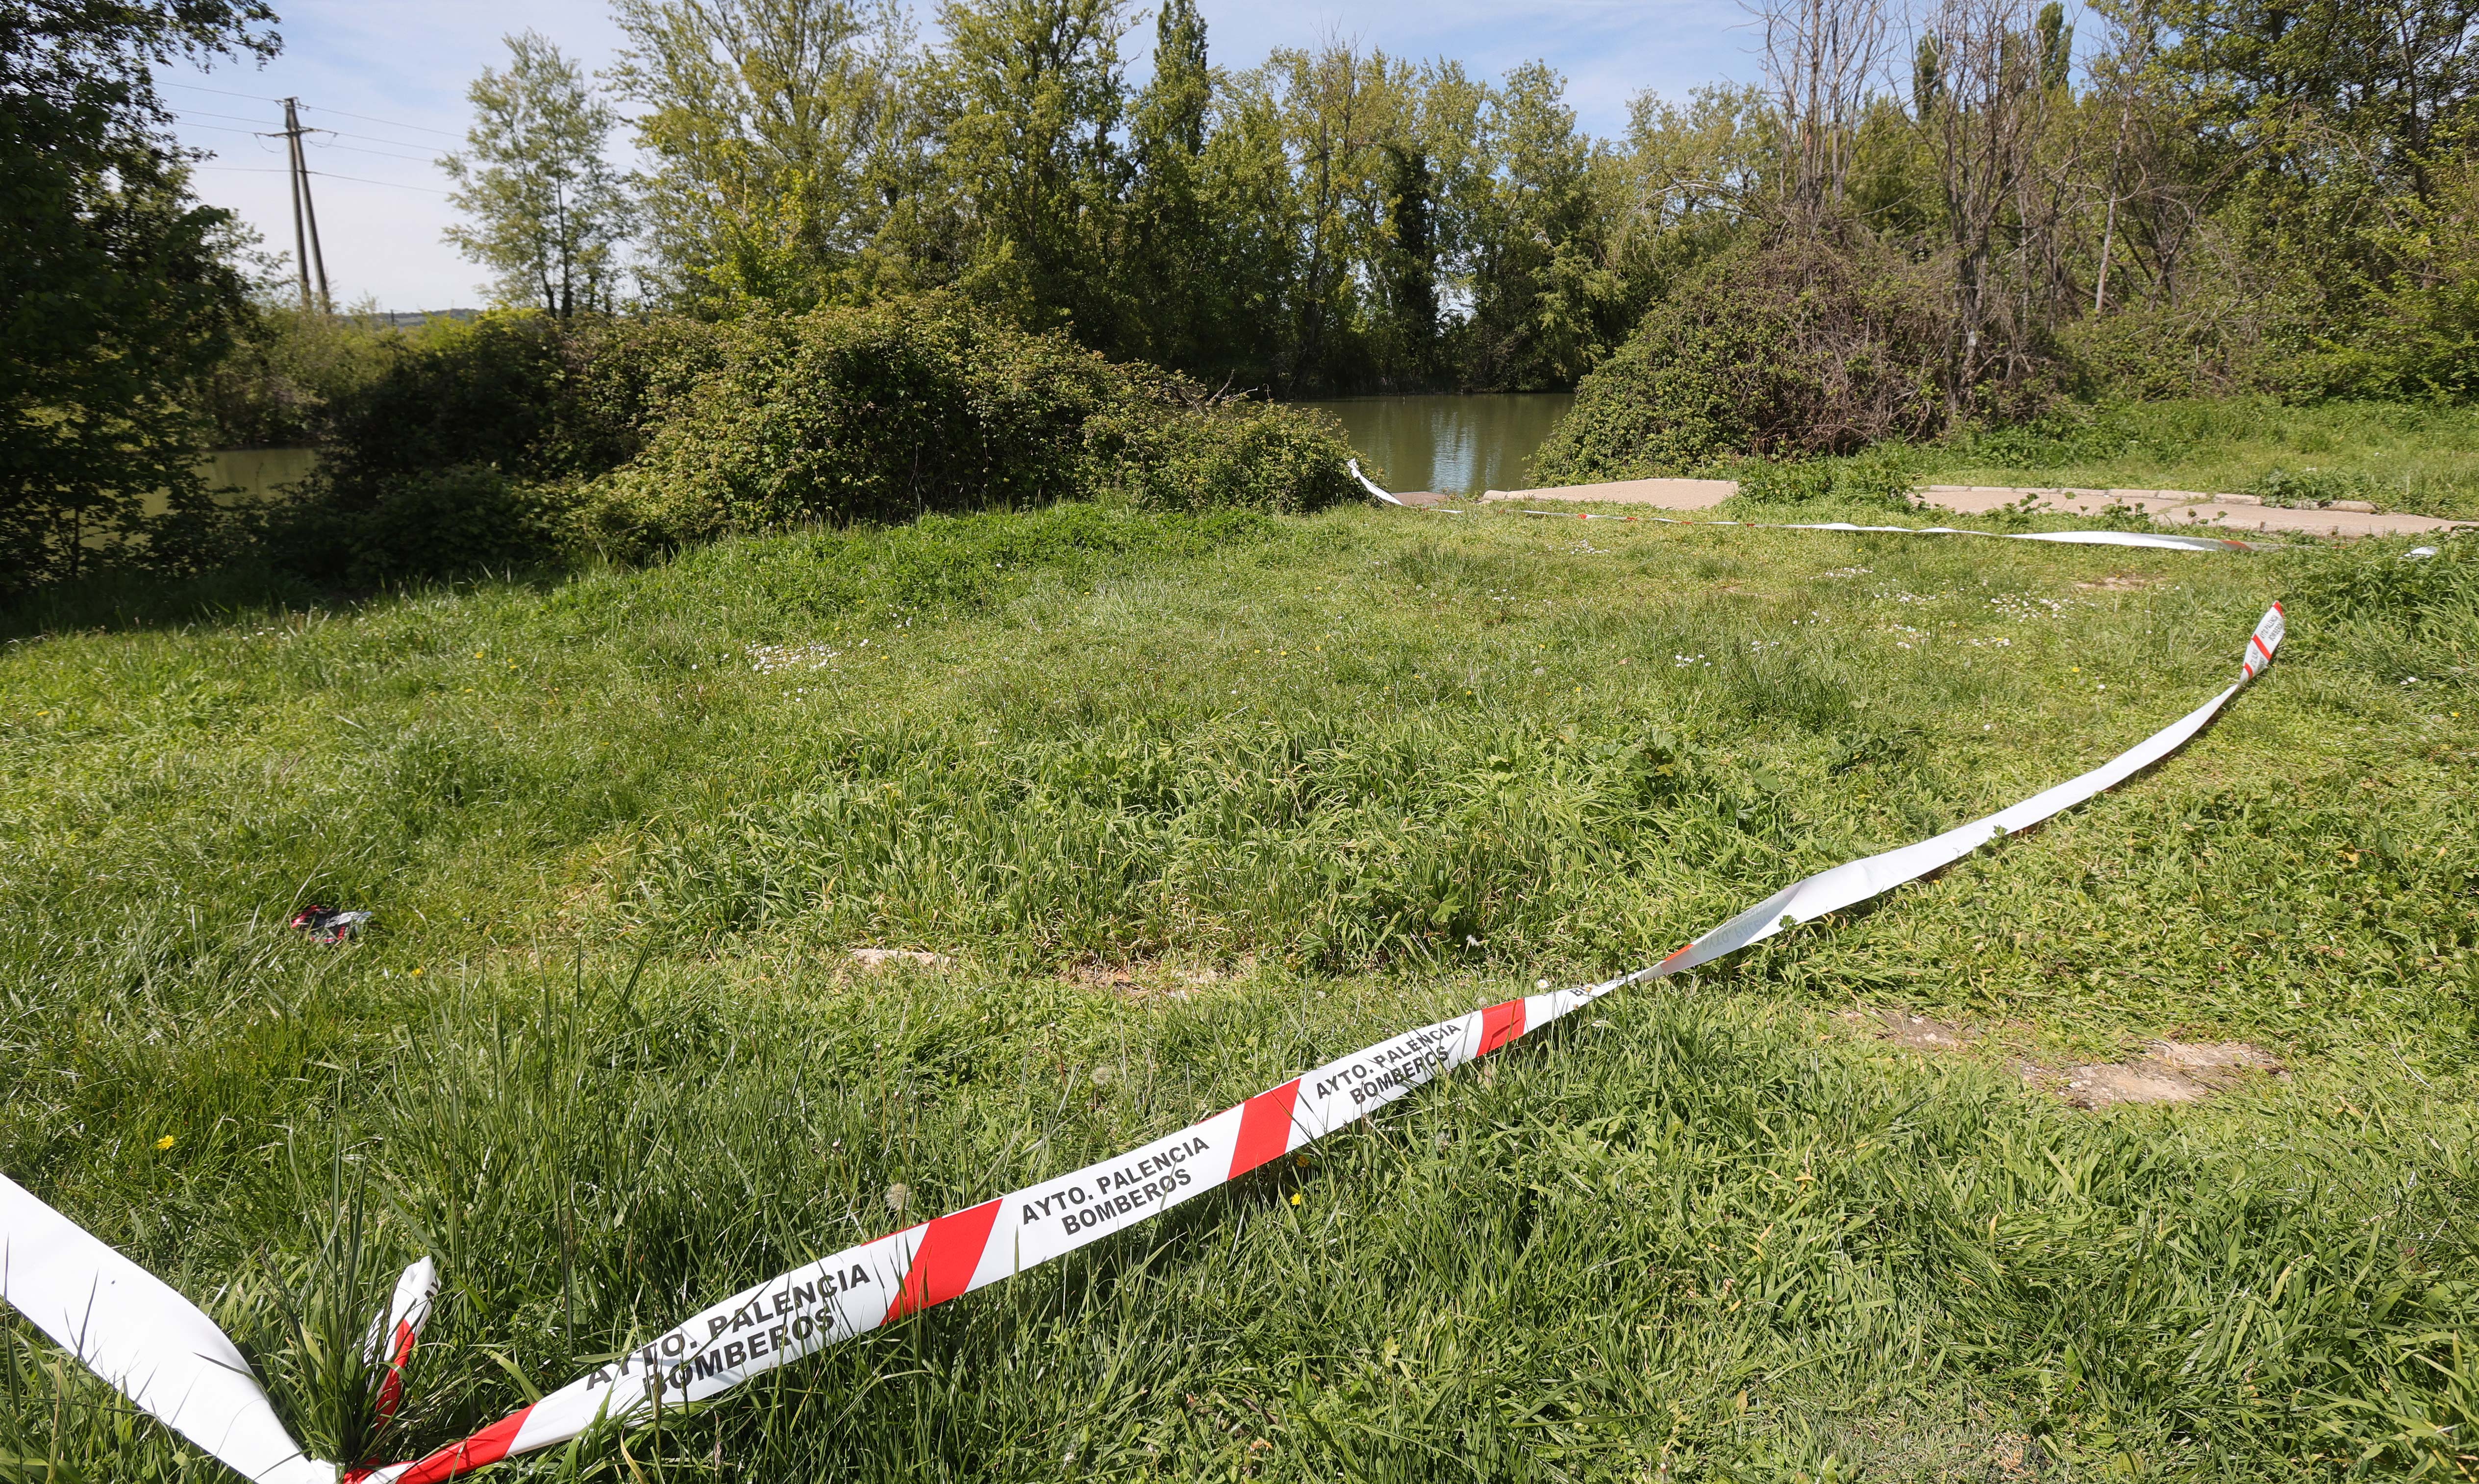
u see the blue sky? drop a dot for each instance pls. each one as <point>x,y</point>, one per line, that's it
<point>390,77</point>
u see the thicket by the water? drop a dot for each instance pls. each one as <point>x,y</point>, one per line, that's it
<point>526,441</point>
<point>1954,214</point>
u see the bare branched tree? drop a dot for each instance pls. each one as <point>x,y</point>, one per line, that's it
<point>1983,95</point>
<point>1822,59</point>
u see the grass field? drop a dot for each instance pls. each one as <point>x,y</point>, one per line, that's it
<point>2423,460</point>
<point>1189,804</point>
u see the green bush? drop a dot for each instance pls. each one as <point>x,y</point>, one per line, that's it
<point>894,411</point>
<point>1794,349</point>
<point>1881,475</point>
<point>520,442</point>
<point>2062,436</point>
<point>524,393</point>
<point>1172,451</point>
<point>449,521</point>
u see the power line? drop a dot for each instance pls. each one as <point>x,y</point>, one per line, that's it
<point>224,92</point>
<point>342,133</point>
<point>372,137</point>
<point>225,129</point>
<point>391,123</point>
<point>383,154</point>
<point>354,148</point>
<point>269,169</point>
<point>200,112</point>
<point>317,108</point>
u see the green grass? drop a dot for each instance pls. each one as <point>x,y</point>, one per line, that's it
<point>1194,803</point>
<point>2421,459</point>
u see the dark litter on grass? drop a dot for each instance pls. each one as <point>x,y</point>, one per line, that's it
<point>329,924</point>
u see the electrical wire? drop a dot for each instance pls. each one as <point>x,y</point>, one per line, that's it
<point>381,153</point>
<point>316,108</point>
<point>225,92</point>
<point>390,122</point>
<point>270,169</point>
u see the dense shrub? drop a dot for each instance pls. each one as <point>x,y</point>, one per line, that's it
<point>289,369</point>
<point>1785,350</point>
<point>534,396</point>
<point>894,411</point>
<point>1171,449</point>
<point>1885,476</point>
<point>429,523</point>
<point>518,441</point>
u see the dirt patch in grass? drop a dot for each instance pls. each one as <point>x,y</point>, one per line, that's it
<point>1915,1032</point>
<point>2172,1073</point>
<point>1147,978</point>
<point>878,960</point>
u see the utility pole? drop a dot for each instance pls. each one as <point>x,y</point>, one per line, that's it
<point>306,255</point>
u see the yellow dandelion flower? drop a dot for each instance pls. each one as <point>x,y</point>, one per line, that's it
<point>165,1143</point>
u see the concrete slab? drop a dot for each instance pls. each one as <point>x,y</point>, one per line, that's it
<point>2234,513</point>
<point>1664,494</point>
<point>2342,523</point>
<point>1981,499</point>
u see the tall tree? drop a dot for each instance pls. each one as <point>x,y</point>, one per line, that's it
<point>1983,109</point>
<point>1168,248</point>
<point>1036,97</point>
<point>1341,108</point>
<point>120,294</point>
<point>1541,287</point>
<point>788,153</point>
<point>548,211</point>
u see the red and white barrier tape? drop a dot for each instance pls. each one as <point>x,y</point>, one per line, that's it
<point>156,1348</point>
<point>1369,484</point>
<point>877,1283</point>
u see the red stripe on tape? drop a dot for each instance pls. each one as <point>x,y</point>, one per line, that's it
<point>1498,1025</point>
<point>392,1385</point>
<point>478,1451</point>
<point>2257,641</point>
<point>942,1265</point>
<point>1264,1128</point>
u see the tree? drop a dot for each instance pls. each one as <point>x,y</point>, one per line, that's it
<point>1339,108</point>
<point>548,211</point>
<point>1168,229</point>
<point>120,293</point>
<point>1983,107</point>
<point>1541,287</point>
<point>792,155</point>
<point>1036,97</point>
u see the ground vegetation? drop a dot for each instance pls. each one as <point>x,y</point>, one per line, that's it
<point>1181,803</point>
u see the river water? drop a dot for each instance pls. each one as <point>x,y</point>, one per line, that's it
<point>1453,445</point>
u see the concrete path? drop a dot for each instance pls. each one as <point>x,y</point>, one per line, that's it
<point>2169,508</point>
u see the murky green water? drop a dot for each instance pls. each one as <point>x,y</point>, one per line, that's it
<point>1453,445</point>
